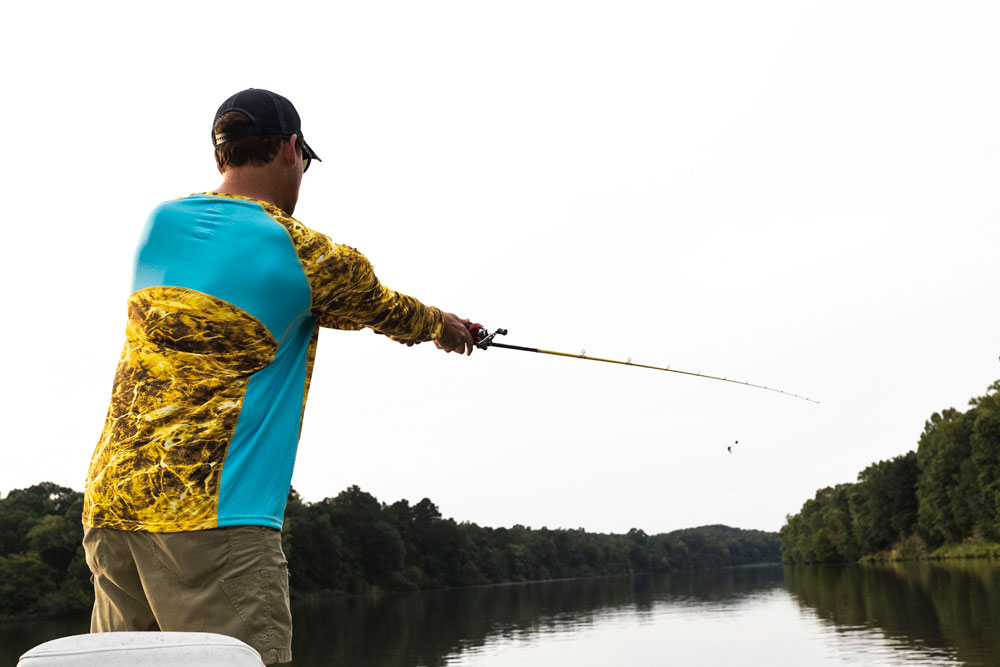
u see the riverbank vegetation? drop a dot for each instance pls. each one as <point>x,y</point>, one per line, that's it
<point>352,543</point>
<point>940,501</point>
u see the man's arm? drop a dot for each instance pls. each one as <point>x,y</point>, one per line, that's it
<point>346,294</point>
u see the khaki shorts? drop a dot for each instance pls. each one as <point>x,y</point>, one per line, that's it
<point>233,581</point>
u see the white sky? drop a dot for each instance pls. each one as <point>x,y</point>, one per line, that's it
<point>800,194</point>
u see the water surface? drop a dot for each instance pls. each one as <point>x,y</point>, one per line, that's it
<point>910,614</point>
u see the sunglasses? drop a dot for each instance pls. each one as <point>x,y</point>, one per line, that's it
<point>307,157</point>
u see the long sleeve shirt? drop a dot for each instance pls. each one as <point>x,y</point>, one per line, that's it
<point>228,297</point>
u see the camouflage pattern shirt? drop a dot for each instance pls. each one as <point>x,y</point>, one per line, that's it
<point>228,297</point>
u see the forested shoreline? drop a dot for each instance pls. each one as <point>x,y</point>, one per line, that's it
<point>353,544</point>
<point>940,501</point>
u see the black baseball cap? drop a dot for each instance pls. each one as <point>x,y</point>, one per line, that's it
<point>269,114</point>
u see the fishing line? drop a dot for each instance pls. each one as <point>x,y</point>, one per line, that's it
<point>485,339</point>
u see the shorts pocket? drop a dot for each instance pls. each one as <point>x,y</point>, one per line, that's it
<point>191,556</point>
<point>261,600</point>
<point>92,546</point>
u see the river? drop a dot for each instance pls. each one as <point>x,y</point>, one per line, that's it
<point>903,614</point>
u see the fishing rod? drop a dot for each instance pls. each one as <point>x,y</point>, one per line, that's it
<point>484,340</point>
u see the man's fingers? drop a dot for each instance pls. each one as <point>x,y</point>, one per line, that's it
<point>469,342</point>
<point>455,336</point>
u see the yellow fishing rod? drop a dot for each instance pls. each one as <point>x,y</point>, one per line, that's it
<point>484,340</point>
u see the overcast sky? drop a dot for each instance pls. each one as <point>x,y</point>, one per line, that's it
<point>799,194</point>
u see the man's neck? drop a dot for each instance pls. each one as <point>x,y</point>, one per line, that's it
<point>256,183</point>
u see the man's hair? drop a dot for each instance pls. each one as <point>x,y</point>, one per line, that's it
<point>253,150</point>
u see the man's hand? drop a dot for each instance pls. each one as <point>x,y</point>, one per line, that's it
<point>455,336</point>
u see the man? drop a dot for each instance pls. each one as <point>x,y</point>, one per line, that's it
<point>187,485</point>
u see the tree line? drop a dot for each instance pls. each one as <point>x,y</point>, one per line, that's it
<point>352,543</point>
<point>943,498</point>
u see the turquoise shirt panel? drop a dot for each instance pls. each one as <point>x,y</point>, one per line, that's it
<point>229,248</point>
<point>258,467</point>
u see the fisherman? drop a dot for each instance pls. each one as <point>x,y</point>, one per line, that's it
<point>186,489</point>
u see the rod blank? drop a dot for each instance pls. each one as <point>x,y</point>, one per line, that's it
<point>666,369</point>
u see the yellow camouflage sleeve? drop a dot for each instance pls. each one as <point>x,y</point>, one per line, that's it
<point>346,294</point>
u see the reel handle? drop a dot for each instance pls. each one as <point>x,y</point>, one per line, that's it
<point>482,337</point>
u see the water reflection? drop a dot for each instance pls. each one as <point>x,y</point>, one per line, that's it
<point>941,607</point>
<point>901,614</point>
<point>426,628</point>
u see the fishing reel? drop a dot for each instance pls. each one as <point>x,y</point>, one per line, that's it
<point>482,337</point>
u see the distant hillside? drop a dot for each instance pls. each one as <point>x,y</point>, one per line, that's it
<point>353,543</point>
<point>742,547</point>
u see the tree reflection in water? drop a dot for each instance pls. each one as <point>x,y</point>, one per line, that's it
<point>948,605</point>
<point>425,628</point>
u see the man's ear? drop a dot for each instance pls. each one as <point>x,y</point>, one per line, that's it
<point>288,149</point>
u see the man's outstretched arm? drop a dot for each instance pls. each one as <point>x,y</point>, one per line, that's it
<point>347,295</point>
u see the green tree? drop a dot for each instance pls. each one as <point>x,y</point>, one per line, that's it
<point>24,580</point>
<point>984,444</point>
<point>944,512</point>
<point>883,503</point>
